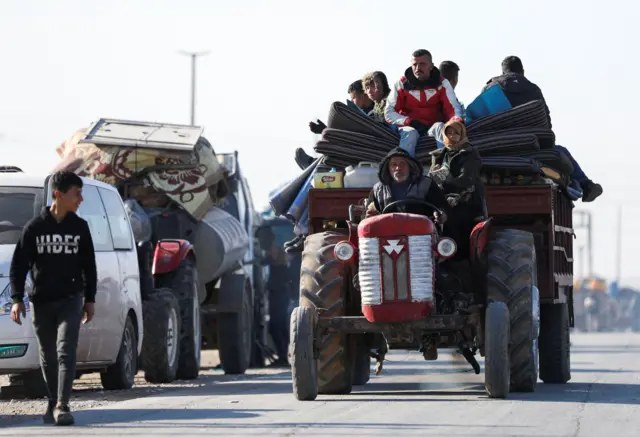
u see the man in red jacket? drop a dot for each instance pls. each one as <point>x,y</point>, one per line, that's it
<point>421,102</point>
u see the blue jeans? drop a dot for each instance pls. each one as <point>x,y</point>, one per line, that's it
<point>577,175</point>
<point>409,137</point>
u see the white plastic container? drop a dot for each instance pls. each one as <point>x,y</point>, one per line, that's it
<point>365,175</point>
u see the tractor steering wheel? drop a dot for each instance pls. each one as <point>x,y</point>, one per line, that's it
<point>412,201</point>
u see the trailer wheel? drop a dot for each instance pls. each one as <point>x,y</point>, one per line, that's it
<point>161,340</point>
<point>121,374</point>
<point>304,367</point>
<point>362,362</point>
<point>185,285</point>
<point>512,279</point>
<point>496,350</point>
<point>324,283</point>
<point>235,334</point>
<point>555,349</point>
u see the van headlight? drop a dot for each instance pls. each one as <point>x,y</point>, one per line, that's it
<point>6,302</point>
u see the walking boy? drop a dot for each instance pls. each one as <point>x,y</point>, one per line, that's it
<point>56,247</point>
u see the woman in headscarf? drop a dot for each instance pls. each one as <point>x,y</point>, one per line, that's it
<point>456,168</point>
<point>377,88</point>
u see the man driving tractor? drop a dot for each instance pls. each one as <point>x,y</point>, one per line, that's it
<point>402,177</point>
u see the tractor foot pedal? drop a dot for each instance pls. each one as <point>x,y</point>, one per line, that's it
<point>471,359</point>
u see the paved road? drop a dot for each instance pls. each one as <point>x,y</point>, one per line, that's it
<point>412,397</point>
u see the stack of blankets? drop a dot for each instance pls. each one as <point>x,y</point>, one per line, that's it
<point>516,147</point>
<point>514,142</point>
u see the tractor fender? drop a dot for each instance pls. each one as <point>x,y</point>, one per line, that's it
<point>169,254</point>
<point>478,239</point>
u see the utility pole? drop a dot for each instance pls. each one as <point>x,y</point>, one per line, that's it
<point>585,223</point>
<point>619,246</point>
<point>581,258</point>
<point>194,57</point>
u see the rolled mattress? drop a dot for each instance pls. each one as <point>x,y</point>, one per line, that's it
<point>219,242</point>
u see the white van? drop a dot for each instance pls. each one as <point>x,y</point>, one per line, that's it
<point>111,343</point>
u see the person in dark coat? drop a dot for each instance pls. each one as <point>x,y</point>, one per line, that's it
<point>279,289</point>
<point>456,169</point>
<point>515,86</point>
<point>520,90</point>
<point>402,177</point>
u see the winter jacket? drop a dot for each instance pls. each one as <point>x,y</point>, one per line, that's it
<point>377,113</point>
<point>518,90</point>
<point>419,187</point>
<point>60,256</point>
<point>458,174</point>
<point>428,102</point>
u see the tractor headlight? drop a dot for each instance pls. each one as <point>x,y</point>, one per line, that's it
<point>446,247</point>
<point>344,251</point>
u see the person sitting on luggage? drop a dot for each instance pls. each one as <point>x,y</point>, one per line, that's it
<point>450,71</point>
<point>520,90</point>
<point>377,88</point>
<point>421,101</point>
<point>456,169</point>
<point>402,177</point>
<point>358,97</point>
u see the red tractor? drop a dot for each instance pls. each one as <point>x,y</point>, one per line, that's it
<point>390,276</point>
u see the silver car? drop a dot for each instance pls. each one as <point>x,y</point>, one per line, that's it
<point>112,341</point>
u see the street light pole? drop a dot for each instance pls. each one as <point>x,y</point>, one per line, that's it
<point>193,56</point>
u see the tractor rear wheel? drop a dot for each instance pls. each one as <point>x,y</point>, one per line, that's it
<point>324,283</point>
<point>512,279</point>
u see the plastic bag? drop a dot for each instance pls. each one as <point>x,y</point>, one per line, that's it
<point>140,222</point>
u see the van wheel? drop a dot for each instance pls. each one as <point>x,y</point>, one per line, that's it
<point>121,374</point>
<point>161,340</point>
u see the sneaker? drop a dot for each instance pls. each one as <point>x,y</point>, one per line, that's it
<point>591,191</point>
<point>63,416</point>
<point>48,416</point>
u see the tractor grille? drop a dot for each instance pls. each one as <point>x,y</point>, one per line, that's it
<point>385,275</point>
<point>421,268</point>
<point>369,271</point>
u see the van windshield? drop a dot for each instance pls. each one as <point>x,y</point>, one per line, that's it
<point>18,205</point>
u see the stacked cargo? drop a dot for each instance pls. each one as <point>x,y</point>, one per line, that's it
<point>516,146</point>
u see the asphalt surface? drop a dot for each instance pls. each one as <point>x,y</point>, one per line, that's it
<point>411,397</point>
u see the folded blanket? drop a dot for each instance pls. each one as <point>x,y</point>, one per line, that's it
<point>546,138</point>
<point>529,115</point>
<point>344,118</point>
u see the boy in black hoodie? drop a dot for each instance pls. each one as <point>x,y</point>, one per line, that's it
<point>57,248</point>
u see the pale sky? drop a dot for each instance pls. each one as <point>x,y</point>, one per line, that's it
<point>275,65</point>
